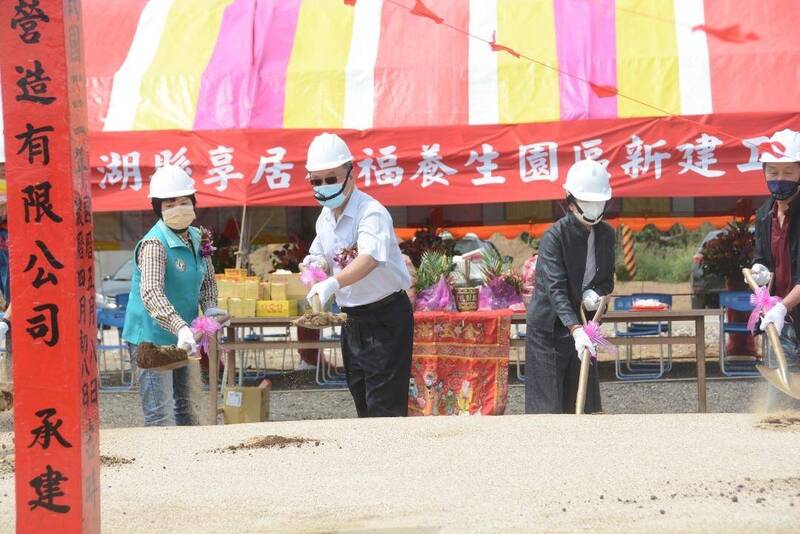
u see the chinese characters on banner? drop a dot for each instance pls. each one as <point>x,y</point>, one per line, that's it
<point>50,230</point>
<point>659,157</point>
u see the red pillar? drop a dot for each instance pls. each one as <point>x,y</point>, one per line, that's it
<point>52,278</point>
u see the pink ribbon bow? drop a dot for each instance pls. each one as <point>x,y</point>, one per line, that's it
<point>762,302</point>
<point>311,275</point>
<point>207,326</point>
<point>592,329</point>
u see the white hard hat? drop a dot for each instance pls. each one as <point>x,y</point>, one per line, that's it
<point>171,181</point>
<point>784,147</point>
<point>588,180</point>
<point>327,151</point>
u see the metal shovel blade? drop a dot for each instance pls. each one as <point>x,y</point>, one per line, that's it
<point>780,377</point>
<point>789,384</point>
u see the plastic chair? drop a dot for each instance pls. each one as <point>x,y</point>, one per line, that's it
<point>122,299</point>
<point>738,301</point>
<point>113,319</point>
<point>662,328</point>
<point>260,368</point>
<point>642,370</point>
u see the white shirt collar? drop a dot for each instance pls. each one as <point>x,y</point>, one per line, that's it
<point>350,210</point>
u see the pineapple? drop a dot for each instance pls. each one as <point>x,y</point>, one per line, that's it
<point>492,265</point>
<point>433,265</point>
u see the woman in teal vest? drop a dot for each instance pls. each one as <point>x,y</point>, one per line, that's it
<point>172,280</point>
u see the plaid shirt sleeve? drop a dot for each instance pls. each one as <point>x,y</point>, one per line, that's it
<point>152,261</point>
<point>208,291</point>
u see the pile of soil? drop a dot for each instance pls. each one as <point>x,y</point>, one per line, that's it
<point>114,461</point>
<point>321,320</point>
<point>269,442</point>
<point>6,399</point>
<point>781,421</point>
<point>151,356</point>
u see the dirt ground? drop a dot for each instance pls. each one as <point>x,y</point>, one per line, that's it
<point>604,473</point>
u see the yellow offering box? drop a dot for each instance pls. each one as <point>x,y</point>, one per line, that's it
<point>263,291</point>
<point>225,288</point>
<point>237,274</point>
<point>278,291</point>
<point>294,287</point>
<point>251,289</point>
<point>276,308</point>
<point>242,307</point>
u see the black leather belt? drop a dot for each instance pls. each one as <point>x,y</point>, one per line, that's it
<point>374,305</point>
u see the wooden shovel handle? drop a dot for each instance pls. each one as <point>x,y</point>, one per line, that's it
<point>598,315</point>
<point>583,378</point>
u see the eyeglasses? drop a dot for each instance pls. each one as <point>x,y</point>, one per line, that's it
<point>328,180</point>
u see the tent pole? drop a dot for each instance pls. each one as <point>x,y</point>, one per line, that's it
<point>242,227</point>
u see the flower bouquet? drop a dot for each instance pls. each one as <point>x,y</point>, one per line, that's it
<point>434,291</point>
<point>502,287</point>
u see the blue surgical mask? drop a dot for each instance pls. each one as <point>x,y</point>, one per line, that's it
<point>782,189</point>
<point>331,196</point>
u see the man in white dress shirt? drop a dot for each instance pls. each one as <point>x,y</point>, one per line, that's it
<point>357,246</point>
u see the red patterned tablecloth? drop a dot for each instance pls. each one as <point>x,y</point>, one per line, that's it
<point>460,363</point>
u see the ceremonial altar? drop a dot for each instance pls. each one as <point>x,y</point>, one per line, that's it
<point>460,363</point>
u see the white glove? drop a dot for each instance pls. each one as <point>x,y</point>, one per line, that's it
<point>218,313</point>
<point>325,289</point>
<point>582,341</point>
<point>3,329</point>
<point>319,261</point>
<point>186,340</point>
<point>591,300</point>
<point>761,274</point>
<point>776,316</point>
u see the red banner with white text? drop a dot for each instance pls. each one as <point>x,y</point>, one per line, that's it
<point>713,155</point>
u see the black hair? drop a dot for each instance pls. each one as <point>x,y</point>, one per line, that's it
<point>157,202</point>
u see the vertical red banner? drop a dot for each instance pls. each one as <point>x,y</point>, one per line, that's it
<point>52,277</point>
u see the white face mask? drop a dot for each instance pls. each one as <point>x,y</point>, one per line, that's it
<point>179,217</point>
<point>591,211</point>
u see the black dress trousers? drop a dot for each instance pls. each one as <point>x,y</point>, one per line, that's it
<point>377,342</point>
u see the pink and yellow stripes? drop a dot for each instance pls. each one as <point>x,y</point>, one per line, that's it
<point>528,92</point>
<point>586,30</point>
<point>315,76</point>
<point>217,64</point>
<point>244,83</point>
<point>647,58</point>
<point>169,101</point>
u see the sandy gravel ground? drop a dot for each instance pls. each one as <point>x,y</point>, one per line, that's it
<point>122,410</point>
<point>655,473</point>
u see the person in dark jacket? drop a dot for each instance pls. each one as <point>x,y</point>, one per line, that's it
<point>575,267</point>
<point>777,254</point>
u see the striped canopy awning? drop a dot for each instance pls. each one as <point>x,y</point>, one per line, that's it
<point>441,101</point>
<point>233,64</point>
